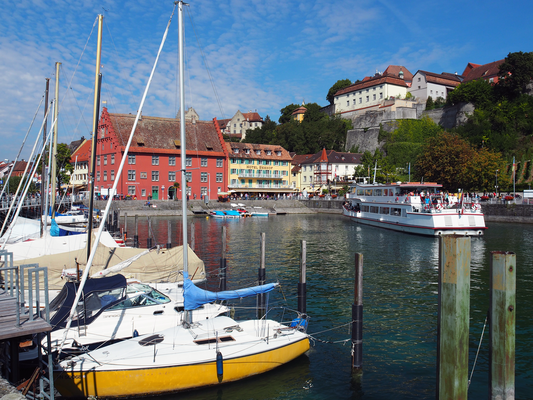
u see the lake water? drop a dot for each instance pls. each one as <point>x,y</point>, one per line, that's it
<point>400,303</point>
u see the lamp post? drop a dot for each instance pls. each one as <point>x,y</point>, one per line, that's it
<point>209,186</point>
<point>496,182</point>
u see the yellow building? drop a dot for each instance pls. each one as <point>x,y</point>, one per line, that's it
<point>259,169</point>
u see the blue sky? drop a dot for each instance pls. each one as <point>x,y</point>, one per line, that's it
<point>262,55</point>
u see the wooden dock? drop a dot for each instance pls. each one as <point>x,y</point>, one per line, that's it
<point>9,329</point>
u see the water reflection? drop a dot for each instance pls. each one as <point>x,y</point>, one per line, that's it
<point>400,301</point>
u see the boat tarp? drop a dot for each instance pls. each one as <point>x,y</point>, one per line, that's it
<point>233,213</point>
<point>164,265</point>
<point>194,297</point>
<point>62,303</point>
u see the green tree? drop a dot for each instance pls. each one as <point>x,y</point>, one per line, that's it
<point>430,105</point>
<point>264,135</point>
<point>340,84</point>
<point>286,113</point>
<point>515,73</point>
<point>64,167</point>
<point>478,92</point>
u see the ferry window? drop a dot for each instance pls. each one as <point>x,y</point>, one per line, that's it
<point>368,192</point>
<point>374,209</point>
<point>364,208</point>
<point>396,211</point>
<point>377,192</point>
<point>360,192</point>
<point>385,210</point>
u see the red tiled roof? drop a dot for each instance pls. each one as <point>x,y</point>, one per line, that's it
<point>252,117</point>
<point>297,159</point>
<point>469,67</point>
<point>377,80</point>
<point>299,110</point>
<point>446,79</point>
<point>242,147</point>
<point>484,71</point>
<point>395,70</point>
<point>83,152</point>
<point>163,133</point>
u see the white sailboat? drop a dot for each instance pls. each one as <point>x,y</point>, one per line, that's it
<point>189,355</point>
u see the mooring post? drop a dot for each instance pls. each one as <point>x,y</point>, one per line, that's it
<point>149,239</point>
<point>125,235</point>
<point>223,261</point>
<point>357,316</point>
<point>261,297</point>
<point>453,317</point>
<point>136,237</point>
<point>193,241</point>
<point>302,286</point>
<point>502,317</point>
<point>169,237</point>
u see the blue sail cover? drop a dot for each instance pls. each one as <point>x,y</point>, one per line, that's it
<point>54,229</point>
<point>195,297</point>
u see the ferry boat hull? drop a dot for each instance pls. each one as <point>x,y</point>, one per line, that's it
<point>414,208</point>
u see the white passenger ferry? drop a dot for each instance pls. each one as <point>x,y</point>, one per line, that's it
<point>420,208</point>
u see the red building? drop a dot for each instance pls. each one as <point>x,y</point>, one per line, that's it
<point>152,170</point>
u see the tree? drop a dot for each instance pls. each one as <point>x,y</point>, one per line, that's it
<point>478,92</point>
<point>286,113</point>
<point>64,167</point>
<point>264,135</point>
<point>429,103</point>
<point>515,73</point>
<point>340,84</point>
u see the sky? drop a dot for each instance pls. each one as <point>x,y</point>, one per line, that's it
<point>242,55</point>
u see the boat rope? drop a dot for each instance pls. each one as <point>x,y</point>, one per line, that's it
<point>478,348</point>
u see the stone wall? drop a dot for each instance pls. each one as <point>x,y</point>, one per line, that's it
<point>451,117</point>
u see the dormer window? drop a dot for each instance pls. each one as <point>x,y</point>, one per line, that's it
<point>268,152</point>
<point>258,152</point>
<point>236,150</point>
<point>278,153</point>
<point>247,151</point>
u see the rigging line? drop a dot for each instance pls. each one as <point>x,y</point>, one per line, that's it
<point>206,66</point>
<point>478,348</point>
<point>23,143</point>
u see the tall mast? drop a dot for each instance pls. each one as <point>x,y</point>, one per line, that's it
<point>54,148</point>
<point>96,112</point>
<point>43,161</point>
<point>188,316</point>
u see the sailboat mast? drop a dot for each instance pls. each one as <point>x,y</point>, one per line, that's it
<point>43,162</point>
<point>96,111</point>
<point>183,143</point>
<point>54,148</point>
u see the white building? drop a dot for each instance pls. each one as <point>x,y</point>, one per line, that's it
<point>239,123</point>
<point>427,84</point>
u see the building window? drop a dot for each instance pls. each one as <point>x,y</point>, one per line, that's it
<point>155,176</point>
<point>112,159</point>
<point>97,175</point>
<point>354,102</point>
<point>112,174</point>
<point>105,160</point>
<point>203,191</point>
<point>105,176</point>
<point>305,178</point>
<point>143,192</point>
<point>348,103</point>
<point>97,160</point>
<point>172,176</point>
<point>188,162</point>
<point>171,160</point>
<point>131,190</point>
<point>219,176</point>
<point>131,159</point>
<point>203,162</point>
<point>381,95</point>
<point>360,100</point>
<point>418,79</point>
<point>220,162</point>
<point>131,175</point>
<point>155,160</point>
<point>367,99</point>
<point>144,175</point>
<point>258,152</point>
<point>203,177</point>
<point>188,176</point>
<point>374,96</point>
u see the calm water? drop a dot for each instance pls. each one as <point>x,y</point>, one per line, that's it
<point>400,303</point>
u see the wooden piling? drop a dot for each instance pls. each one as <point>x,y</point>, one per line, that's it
<point>261,277</point>
<point>357,316</point>
<point>125,234</point>
<point>302,286</point>
<point>453,317</point>
<point>502,317</point>
<point>149,239</point>
<point>169,233</point>
<point>136,237</point>
<point>223,261</point>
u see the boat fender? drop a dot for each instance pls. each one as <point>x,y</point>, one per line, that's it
<point>220,366</point>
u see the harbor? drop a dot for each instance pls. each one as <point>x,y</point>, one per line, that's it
<point>400,302</point>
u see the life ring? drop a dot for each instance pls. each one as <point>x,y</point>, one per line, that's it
<point>439,207</point>
<point>475,207</point>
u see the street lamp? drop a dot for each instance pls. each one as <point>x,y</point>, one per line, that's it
<point>496,182</point>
